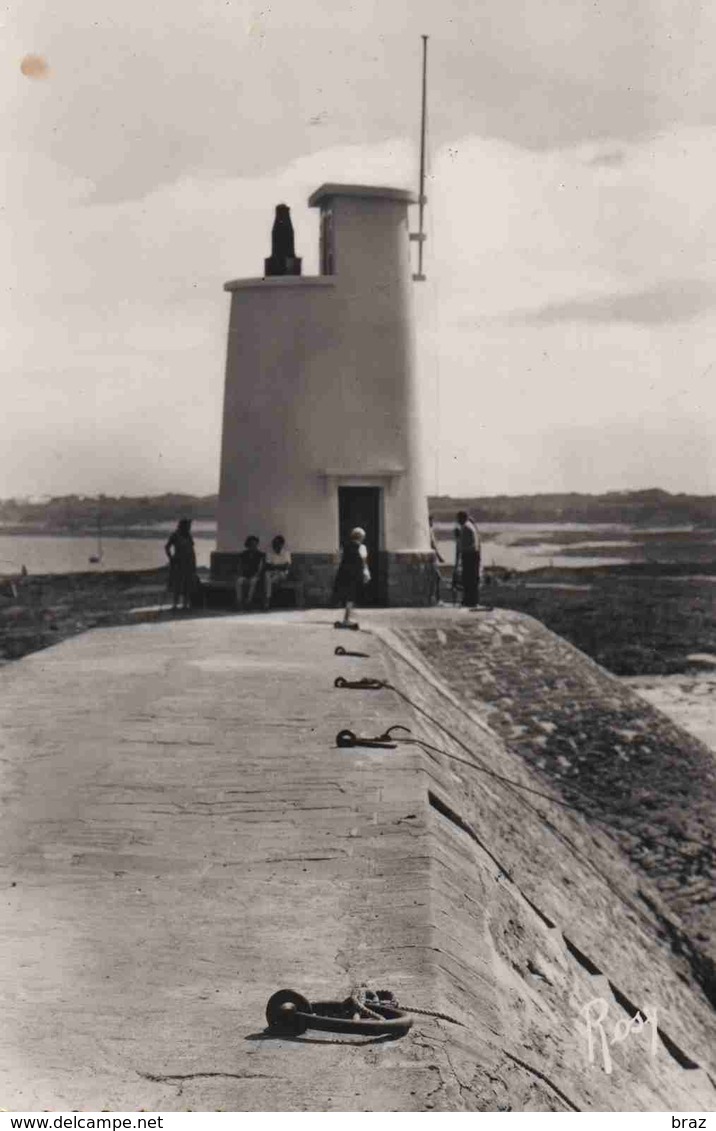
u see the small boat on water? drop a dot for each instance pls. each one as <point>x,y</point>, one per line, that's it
<point>9,581</point>
<point>96,559</point>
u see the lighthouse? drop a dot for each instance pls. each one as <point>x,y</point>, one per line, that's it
<point>321,428</point>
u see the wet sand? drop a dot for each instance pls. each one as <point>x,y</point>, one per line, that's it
<point>689,699</point>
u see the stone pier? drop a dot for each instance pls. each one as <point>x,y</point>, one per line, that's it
<point>182,837</point>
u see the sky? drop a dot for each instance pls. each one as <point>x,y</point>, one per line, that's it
<point>567,327</point>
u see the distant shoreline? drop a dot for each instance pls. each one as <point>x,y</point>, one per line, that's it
<point>443,529</point>
<point>91,533</point>
<point>75,514</point>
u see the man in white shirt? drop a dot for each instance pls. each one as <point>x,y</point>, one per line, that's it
<point>437,576</point>
<point>468,551</point>
<point>276,567</point>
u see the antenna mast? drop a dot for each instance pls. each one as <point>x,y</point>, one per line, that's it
<point>420,236</point>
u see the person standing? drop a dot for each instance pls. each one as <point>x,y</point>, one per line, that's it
<point>456,585</point>
<point>353,572</point>
<point>179,548</point>
<point>468,553</point>
<point>437,576</point>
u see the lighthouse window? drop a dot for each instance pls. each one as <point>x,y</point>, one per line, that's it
<point>326,245</point>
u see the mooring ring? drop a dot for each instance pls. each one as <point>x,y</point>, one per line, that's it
<point>290,1012</point>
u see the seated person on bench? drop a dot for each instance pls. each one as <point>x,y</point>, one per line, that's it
<point>277,568</point>
<point>251,565</point>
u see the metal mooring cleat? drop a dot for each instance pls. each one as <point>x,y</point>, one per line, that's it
<point>360,684</point>
<point>347,739</point>
<point>371,1014</point>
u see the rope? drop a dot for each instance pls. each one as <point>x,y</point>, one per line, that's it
<point>481,768</point>
<point>359,995</point>
<point>357,999</point>
<point>430,1013</point>
<point>476,764</point>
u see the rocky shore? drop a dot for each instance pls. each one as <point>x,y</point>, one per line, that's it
<point>634,620</point>
<point>46,609</point>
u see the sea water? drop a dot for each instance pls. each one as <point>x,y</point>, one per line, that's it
<point>515,546</point>
<point>60,553</point>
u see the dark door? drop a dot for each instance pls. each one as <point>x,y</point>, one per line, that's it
<point>360,506</point>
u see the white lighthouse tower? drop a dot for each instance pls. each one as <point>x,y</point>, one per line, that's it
<point>321,425</point>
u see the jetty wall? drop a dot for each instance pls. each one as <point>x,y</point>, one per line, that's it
<point>182,837</point>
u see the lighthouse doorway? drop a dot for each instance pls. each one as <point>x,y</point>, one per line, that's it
<point>362,506</point>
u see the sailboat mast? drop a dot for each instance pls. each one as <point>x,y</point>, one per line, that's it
<point>419,236</point>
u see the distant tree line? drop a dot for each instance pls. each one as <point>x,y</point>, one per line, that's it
<point>81,512</point>
<point>651,507</point>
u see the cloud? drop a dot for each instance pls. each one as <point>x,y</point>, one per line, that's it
<point>608,159</point>
<point>116,322</point>
<point>559,234</point>
<point>631,450</point>
<point>669,302</point>
<point>136,100</point>
<point>114,327</point>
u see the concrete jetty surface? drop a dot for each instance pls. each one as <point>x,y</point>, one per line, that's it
<point>181,837</point>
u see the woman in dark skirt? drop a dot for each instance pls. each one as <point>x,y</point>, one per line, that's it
<point>182,564</point>
<point>353,572</point>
